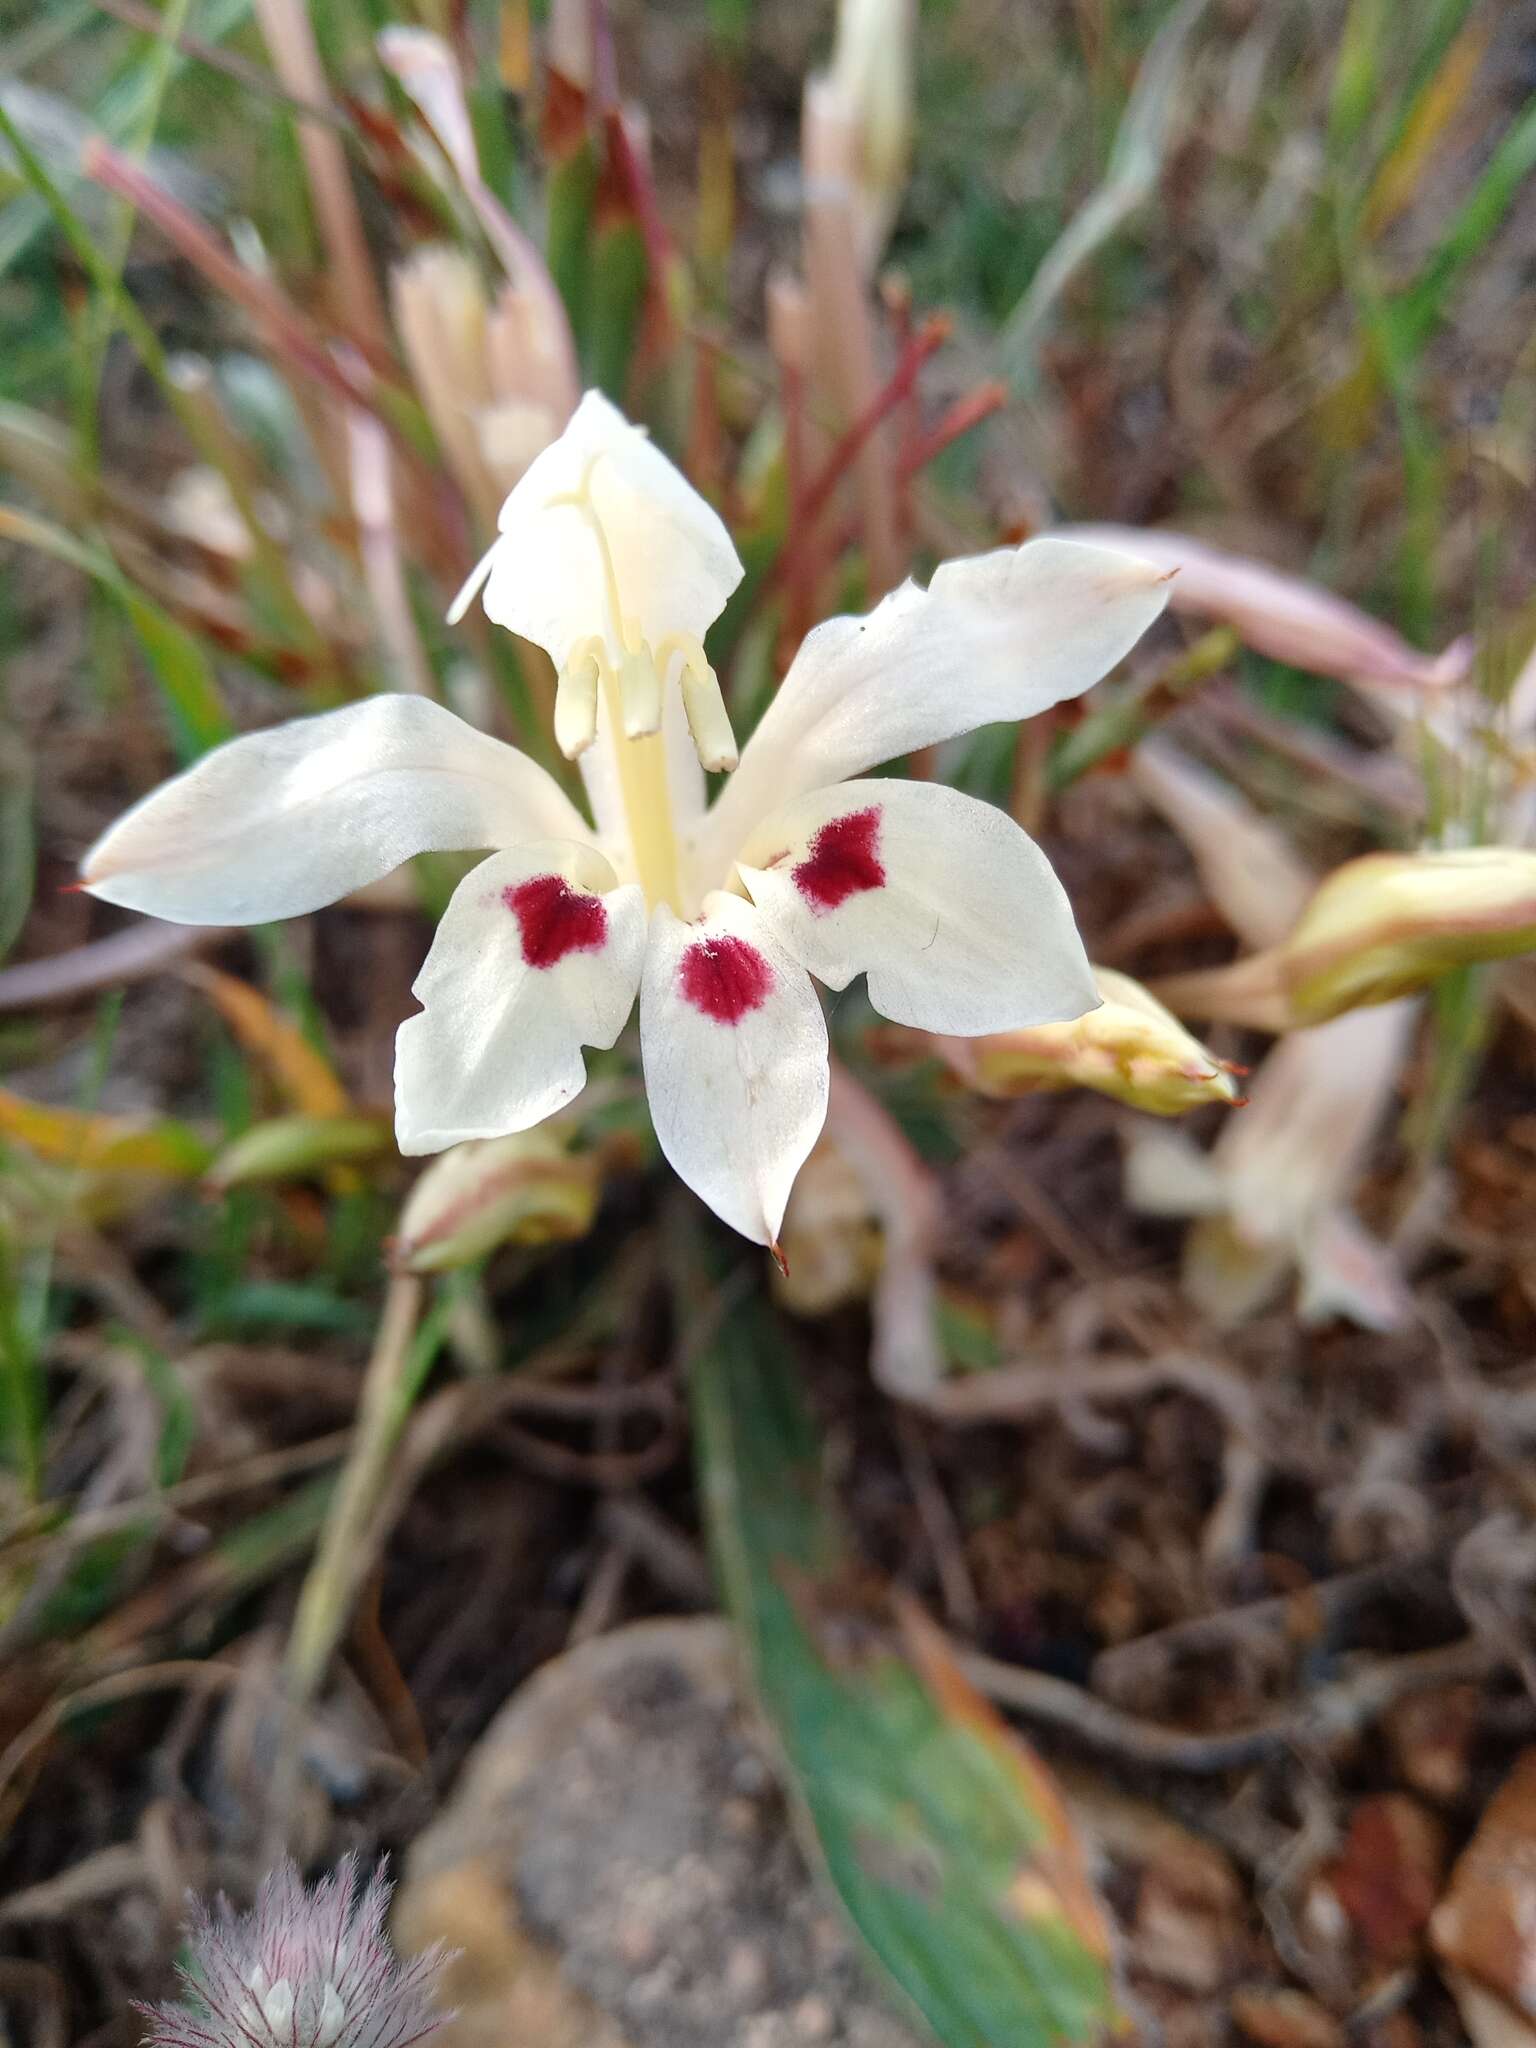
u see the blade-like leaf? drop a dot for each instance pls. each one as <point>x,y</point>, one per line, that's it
<point>944,1838</point>
<point>102,1144</point>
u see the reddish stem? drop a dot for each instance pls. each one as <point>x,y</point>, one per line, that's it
<point>964,414</point>
<point>287,328</point>
<point>930,337</point>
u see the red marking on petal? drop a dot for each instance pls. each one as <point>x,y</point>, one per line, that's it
<point>843,861</point>
<point>554,919</point>
<point>724,978</point>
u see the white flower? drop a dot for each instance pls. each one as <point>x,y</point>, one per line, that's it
<point>717,916</point>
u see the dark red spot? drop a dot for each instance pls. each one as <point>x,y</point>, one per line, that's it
<point>724,977</point>
<point>555,919</point>
<point>842,862</point>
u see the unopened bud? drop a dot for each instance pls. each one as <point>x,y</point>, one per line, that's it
<point>1378,927</point>
<point>291,1147</point>
<point>526,1189</point>
<point>1283,616</point>
<point>640,694</point>
<point>576,705</point>
<point>708,719</point>
<point>440,311</point>
<point>1390,923</point>
<point>870,84</point>
<point>1130,1048</point>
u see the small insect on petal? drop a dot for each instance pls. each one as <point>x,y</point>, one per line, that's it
<point>724,978</point>
<point>843,861</point>
<point>554,919</point>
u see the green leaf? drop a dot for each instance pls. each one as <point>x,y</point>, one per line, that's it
<point>1481,214</point>
<point>572,193</point>
<point>18,858</point>
<point>944,1837</point>
<point>617,300</point>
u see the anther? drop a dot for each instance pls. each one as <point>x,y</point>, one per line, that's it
<point>576,702</point>
<point>708,719</point>
<point>640,693</point>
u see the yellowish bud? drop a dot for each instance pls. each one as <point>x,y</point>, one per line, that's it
<point>1378,927</point>
<point>1130,1048</point>
<point>1390,923</point>
<point>526,1189</point>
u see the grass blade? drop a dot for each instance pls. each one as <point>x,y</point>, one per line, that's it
<point>1134,163</point>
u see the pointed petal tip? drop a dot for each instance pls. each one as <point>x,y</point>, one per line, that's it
<point>470,587</point>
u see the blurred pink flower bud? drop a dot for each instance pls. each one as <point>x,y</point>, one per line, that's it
<point>1283,616</point>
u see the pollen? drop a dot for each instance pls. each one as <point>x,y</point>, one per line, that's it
<point>555,920</point>
<point>724,978</point>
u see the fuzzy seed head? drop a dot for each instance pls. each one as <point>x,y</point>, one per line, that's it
<point>305,1968</point>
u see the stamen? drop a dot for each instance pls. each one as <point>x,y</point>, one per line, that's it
<point>576,700</point>
<point>708,719</point>
<point>640,693</point>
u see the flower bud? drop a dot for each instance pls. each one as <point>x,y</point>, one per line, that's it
<point>292,1147</point>
<point>492,374</point>
<point>1378,927</point>
<point>1130,1048</point>
<point>1389,923</point>
<point>441,314</point>
<point>1285,617</point>
<point>870,84</point>
<point>526,1189</point>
